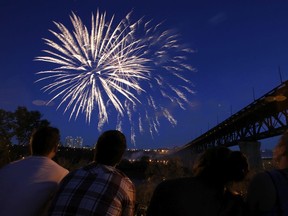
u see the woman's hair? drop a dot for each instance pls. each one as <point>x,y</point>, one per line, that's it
<point>44,140</point>
<point>221,165</point>
<point>284,141</point>
<point>237,166</point>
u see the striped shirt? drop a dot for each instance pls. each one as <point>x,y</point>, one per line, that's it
<point>96,189</point>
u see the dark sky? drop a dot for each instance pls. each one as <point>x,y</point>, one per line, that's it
<point>240,46</point>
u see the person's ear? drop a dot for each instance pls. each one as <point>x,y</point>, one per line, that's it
<point>56,148</point>
<point>282,150</point>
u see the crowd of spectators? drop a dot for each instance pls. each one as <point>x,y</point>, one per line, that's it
<point>219,183</point>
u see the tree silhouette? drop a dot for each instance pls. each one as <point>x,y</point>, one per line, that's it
<point>6,134</point>
<point>24,123</point>
<point>17,125</point>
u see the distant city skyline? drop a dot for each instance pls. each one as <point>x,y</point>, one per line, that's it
<point>74,142</point>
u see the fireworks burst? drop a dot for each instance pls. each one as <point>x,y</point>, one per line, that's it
<point>124,67</point>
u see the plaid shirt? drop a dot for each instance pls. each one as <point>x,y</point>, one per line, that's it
<point>95,190</point>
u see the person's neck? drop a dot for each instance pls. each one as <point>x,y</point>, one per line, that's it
<point>283,163</point>
<point>105,164</point>
<point>49,155</point>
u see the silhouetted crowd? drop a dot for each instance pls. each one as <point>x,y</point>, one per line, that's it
<point>36,185</point>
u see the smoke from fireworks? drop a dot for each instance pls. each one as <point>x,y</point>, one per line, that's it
<point>125,67</point>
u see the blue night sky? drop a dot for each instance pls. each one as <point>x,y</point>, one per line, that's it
<point>239,47</point>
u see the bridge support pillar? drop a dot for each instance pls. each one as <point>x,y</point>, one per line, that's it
<point>251,150</point>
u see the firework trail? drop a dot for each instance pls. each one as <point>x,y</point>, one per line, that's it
<point>123,68</point>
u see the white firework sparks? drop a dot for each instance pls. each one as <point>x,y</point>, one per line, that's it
<point>122,68</point>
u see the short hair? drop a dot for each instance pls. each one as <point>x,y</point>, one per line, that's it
<point>221,165</point>
<point>110,147</point>
<point>44,140</point>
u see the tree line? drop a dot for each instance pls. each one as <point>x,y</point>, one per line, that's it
<point>16,128</point>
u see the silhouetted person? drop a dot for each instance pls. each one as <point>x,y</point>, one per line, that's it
<point>27,185</point>
<point>268,191</point>
<point>99,188</point>
<point>206,193</point>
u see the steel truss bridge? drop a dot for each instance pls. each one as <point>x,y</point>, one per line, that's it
<point>265,117</point>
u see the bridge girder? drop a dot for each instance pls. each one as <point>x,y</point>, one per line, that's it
<point>265,117</point>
